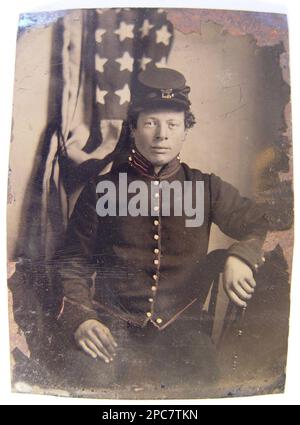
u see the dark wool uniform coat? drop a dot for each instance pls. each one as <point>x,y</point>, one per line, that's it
<point>148,268</point>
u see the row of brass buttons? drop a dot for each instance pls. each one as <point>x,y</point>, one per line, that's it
<point>156,260</point>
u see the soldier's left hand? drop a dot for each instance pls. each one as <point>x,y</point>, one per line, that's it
<point>238,281</point>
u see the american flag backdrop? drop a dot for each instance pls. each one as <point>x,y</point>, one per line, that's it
<point>127,40</point>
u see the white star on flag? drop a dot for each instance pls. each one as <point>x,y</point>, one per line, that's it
<point>146,28</point>
<point>162,63</point>
<point>163,35</point>
<point>160,10</point>
<point>100,62</point>
<point>98,34</point>
<point>124,94</point>
<point>125,31</point>
<point>126,62</point>
<point>100,94</point>
<point>144,62</point>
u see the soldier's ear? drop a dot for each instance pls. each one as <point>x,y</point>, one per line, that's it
<point>131,131</point>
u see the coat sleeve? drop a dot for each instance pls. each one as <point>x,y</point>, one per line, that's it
<point>76,266</point>
<point>241,219</point>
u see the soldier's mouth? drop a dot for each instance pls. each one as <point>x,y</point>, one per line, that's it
<point>160,148</point>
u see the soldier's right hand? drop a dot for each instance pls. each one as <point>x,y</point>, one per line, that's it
<point>96,340</point>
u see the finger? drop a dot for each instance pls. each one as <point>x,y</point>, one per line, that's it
<point>87,350</point>
<point>236,300</point>
<point>105,341</point>
<point>111,338</point>
<point>95,339</point>
<point>93,347</point>
<point>107,333</point>
<point>240,292</point>
<point>251,281</point>
<point>245,285</point>
<point>108,345</point>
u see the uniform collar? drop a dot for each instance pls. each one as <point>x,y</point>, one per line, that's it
<point>146,168</point>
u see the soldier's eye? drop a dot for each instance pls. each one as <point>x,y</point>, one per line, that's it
<point>149,123</point>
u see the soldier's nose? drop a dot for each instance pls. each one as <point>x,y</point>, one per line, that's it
<point>161,133</point>
<point>159,138</point>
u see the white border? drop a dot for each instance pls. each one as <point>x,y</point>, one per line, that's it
<point>254,5</point>
<point>8,30</point>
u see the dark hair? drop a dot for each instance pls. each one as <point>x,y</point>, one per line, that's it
<point>189,118</point>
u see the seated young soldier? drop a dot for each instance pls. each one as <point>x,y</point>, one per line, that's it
<point>133,261</point>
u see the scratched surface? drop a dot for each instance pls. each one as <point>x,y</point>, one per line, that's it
<point>274,164</point>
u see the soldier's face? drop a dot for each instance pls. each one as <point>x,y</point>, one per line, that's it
<point>159,135</point>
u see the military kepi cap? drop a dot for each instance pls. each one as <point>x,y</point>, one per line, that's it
<point>160,87</point>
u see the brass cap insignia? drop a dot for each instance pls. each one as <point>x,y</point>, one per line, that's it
<point>167,93</point>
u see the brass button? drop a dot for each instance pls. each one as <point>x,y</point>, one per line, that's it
<point>156,195</point>
<point>156,222</point>
<point>159,320</point>
<point>130,158</point>
<point>156,183</point>
<point>155,277</point>
<point>150,300</point>
<point>153,288</point>
<point>263,259</point>
<point>133,151</point>
<point>156,262</point>
<point>156,237</point>
<point>156,251</point>
<point>256,266</point>
<point>149,314</point>
<point>156,208</point>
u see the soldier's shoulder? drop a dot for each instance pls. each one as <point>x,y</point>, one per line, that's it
<point>195,173</point>
<point>112,175</point>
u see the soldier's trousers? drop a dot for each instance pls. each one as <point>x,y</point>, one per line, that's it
<point>181,353</point>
